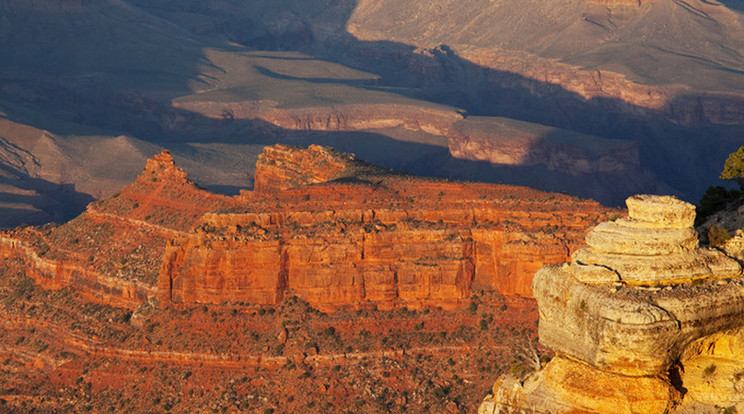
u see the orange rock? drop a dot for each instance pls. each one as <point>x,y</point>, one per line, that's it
<point>340,233</point>
<point>333,230</point>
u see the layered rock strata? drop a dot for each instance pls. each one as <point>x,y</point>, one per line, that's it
<point>320,224</point>
<point>508,142</point>
<point>112,252</point>
<point>630,312</point>
<point>363,236</point>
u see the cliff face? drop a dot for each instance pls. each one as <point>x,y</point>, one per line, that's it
<point>321,225</point>
<point>508,142</point>
<point>573,46</point>
<point>642,308</point>
<point>112,252</point>
<point>368,236</point>
<point>280,167</point>
<point>496,140</point>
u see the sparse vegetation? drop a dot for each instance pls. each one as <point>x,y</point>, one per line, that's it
<point>733,169</point>
<point>718,236</point>
<point>392,380</point>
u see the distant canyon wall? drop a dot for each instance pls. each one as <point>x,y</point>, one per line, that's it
<point>468,139</point>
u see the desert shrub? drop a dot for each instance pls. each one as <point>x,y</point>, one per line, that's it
<point>714,199</point>
<point>483,324</point>
<point>473,307</point>
<point>718,236</point>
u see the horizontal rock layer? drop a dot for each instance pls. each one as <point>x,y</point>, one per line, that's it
<point>320,225</point>
<point>643,321</point>
<point>631,330</point>
<point>656,244</point>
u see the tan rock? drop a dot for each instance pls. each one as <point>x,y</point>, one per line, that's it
<point>714,369</point>
<point>617,237</point>
<point>620,336</point>
<point>660,211</point>
<point>567,386</point>
<point>656,244</point>
<point>585,388</point>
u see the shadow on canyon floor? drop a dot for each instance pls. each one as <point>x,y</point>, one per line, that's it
<point>41,202</point>
<point>686,158</point>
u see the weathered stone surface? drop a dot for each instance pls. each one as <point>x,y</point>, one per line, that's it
<point>338,232</point>
<point>642,301</point>
<point>660,211</point>
<point>509,142</point>
<point>619,238</point>
<point>714,370</point>
<point>656,244</point>
<point>321,225</point>
<point>568,386</point>
<point>280,167</point>
<point>631,330</point>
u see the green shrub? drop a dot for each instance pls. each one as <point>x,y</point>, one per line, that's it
<point>473,307</point>
<point>714,199</point>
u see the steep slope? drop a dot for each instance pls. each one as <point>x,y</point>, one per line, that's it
<point>112,251</point>
<point>696,44</point>
<point>89,108</point>
<point>84,329</point>
<point>581,86</point>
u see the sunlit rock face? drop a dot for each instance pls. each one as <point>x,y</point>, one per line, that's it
<point>636,308</point>
<point>338,232</point>
<point>320,224</point>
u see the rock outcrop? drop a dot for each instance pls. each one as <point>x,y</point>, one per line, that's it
<point>335,231</point>
<point>508,142</point>
<point>112,252</point>
<point>280,167</point>
<point>633,318</point>
<point>363,236</point>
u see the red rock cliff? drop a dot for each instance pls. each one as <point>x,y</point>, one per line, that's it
<point>112,252</point>
<point>369,237</point>
<point>321,225</point>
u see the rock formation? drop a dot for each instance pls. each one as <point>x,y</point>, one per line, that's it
<point>635,319</point>
<point>333,230</point>
<point>112,252</point>
<point>508,142</point>
<point>362,236</point>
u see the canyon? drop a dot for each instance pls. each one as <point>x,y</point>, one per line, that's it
<point>382,291</point>
<point>596,99</point>
<point>306,280</point>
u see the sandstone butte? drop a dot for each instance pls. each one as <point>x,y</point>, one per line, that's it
<point>642,320</point>
<point>321,225</point>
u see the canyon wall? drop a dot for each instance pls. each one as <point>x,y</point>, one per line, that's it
<point>112,252</point>
<point>321,225</point>
<point>509,142</point>
<point>369,238</point>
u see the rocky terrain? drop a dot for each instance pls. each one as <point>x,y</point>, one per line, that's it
<point>642,320</point>
<point>320,225</point>
<point>167,297</point>
<point>594,98</point>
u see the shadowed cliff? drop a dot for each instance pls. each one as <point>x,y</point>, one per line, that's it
<point>176,52</point>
